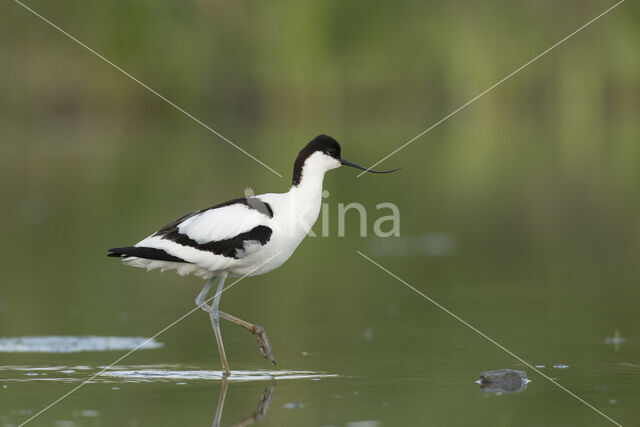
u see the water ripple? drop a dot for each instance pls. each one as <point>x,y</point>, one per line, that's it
<point>74,344</point>
<point>143,374</point>
<point>171,375</point>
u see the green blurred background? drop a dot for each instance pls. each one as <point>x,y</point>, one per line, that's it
<point>535,184</point>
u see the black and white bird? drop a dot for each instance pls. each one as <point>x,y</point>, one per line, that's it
<point>242,237</point>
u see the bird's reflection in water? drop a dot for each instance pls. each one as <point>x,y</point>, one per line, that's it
<point>258,415</point>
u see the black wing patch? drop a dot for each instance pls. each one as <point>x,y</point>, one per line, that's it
<point>230,248</point>
<point>141,252</point>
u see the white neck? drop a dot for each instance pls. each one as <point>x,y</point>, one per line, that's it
<point>311,182</point>
<point>308,193</point>
<point>305,199</point>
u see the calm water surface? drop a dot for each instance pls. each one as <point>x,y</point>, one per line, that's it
<point>409,363</point>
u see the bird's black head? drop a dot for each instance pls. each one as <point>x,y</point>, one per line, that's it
<point>330,157</point>
<point>321,143</point>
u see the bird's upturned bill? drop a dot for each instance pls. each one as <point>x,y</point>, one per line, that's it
<point>353,165</point>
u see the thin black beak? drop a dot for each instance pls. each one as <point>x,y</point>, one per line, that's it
<point>353,165</point>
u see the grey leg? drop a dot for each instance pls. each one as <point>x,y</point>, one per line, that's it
<point>215,321</point>
<point>201,299</point>
<point>257,330</point>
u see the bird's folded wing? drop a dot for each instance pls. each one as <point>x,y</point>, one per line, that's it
<point>231,230</point>
<point>221,223</point>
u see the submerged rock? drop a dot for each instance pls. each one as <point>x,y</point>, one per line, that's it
<point>503,381</point>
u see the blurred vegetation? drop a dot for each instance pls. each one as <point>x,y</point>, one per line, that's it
<point>537,180</point>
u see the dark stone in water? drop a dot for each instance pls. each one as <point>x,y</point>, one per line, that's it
<point>503,381</point>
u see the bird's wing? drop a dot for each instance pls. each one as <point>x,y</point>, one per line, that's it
<point>222,223</point>
<point>232,229</point>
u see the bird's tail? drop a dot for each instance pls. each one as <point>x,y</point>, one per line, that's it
<point>142,252</point>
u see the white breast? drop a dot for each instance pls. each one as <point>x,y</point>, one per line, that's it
<point>293,217</point>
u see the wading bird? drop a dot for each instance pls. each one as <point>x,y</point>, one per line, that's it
<point>242,237</point>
